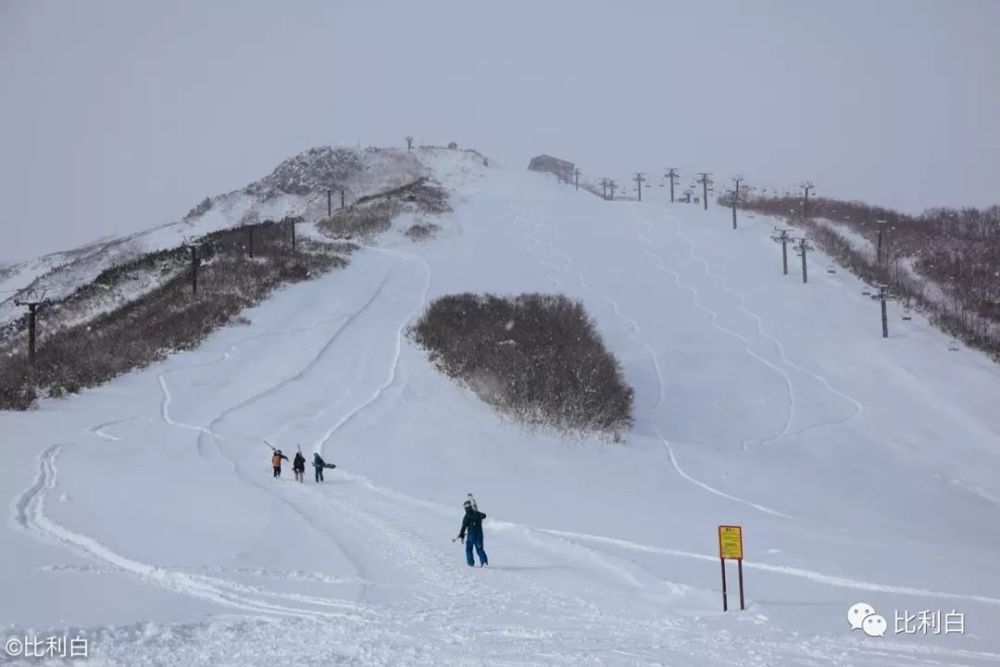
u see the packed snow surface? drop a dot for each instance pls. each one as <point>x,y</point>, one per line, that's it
<point>144,517</point>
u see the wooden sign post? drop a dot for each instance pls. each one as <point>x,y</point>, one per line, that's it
<point>731,547</point>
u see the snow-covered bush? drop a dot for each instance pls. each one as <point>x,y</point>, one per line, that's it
<point>363,221</point>
<point>421,231</point>
<point>535,357</point>
<point>201,209</point>
<point>371,215</point>
<point>312,171</point>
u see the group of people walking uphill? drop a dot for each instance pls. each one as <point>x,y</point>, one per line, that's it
<point>471,532</point>
<point>299,465</point>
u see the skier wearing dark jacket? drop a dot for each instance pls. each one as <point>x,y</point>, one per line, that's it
<point>299,467</point>
<point>319,464</point>
<point>472,534</point>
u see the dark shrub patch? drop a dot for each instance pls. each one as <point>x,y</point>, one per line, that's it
<point>147,302</point>
<point>944,262</point>
<point>373,214</point>
<point>362,221</point>
<point>535,357</point>
<point>421,231</point>
<point>166,318</point>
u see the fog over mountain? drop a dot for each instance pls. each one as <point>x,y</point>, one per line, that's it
<point>119,115</point>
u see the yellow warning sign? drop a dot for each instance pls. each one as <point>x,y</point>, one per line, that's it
<point>731,542</point>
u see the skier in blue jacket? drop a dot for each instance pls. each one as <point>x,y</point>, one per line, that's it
<point>319,464</point>
<point>472,534</point>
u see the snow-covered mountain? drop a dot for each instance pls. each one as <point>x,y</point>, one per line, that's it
<point>144,516</point>
<point>297,187</point>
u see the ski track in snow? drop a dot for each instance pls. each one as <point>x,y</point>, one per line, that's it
<point>225,356</point>
<point>345,509</point>
<point>315,525</point>
<point>347,512</point>
<point>443,595</point>
<point>661,264</point>
<point>577,539</point>
<point>37,523</point>
<point>397,352</point>
<point>28,512</point>
<point>269,391</point>
<point>711,489</point>
<point>785,432</point>
<point>100,431</point>
<point>858,408</point>
<point>634,330</point>
<point>29,515</point>
<point>818,577</point>
<point>634,333</point>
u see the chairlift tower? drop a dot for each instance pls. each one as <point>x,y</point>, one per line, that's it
<point>32,303</point>
<point>639,179</point>
<point>802,247</point>
<point>806,187</point>
<point>604,188</point>
<point>736,195</point>
<point>881,225</point>
<point>883,293</point>
<point>193,247</point>
<point>781,236</point>
<point>705,178</point>
<point>672,176</point>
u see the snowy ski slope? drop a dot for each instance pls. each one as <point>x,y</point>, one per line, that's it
<point>143,514</point>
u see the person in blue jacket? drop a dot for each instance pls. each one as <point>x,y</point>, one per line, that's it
<point>472,534</point>
<point>319,464</point>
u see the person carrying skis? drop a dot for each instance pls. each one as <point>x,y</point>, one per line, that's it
<point>472,534</point>
<point>319,464</point>
<point>299,466</point>
<point>276,462</point>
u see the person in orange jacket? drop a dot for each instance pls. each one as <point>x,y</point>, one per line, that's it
<point>276,462</point>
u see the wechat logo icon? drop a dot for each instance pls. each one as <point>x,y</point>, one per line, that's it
<point>862,617</point>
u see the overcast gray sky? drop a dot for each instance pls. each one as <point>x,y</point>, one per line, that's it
<point>119,115</point>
